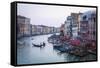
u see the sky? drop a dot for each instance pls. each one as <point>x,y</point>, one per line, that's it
<point>49,15</point>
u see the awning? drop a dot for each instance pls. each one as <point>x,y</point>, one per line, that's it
<point>75,42</point>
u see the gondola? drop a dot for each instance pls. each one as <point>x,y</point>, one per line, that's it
<point>38,45</point>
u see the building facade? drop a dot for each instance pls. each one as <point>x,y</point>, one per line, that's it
<point>75,23</point>
<point>88,26</point>
<point>68,27</point>
<point>72,25</point>
<point>23,26</point>
<point>41,29</point>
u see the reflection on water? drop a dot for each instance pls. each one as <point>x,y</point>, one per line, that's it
<point>28,54</point>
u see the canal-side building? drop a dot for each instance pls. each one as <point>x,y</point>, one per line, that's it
<point>88,26</point>
<point>51,29</point>
<point>75,17</point>
<point>23,26</point>
<point>58,29</point>
<point>30,29</point>
<point>72,25</point>
<point>45,29</point>
<point>79,21</point>
<point>42,29</point>
<point>62,29</point>
<point>54,29</point>
<point>39,29</point>
<point>84,30</point>
<point>34,29</point>
<point>92,26</point>
<point>68,27</point>
<point>75,23</point>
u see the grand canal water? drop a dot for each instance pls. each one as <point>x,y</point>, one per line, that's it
<point>28,54</point>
